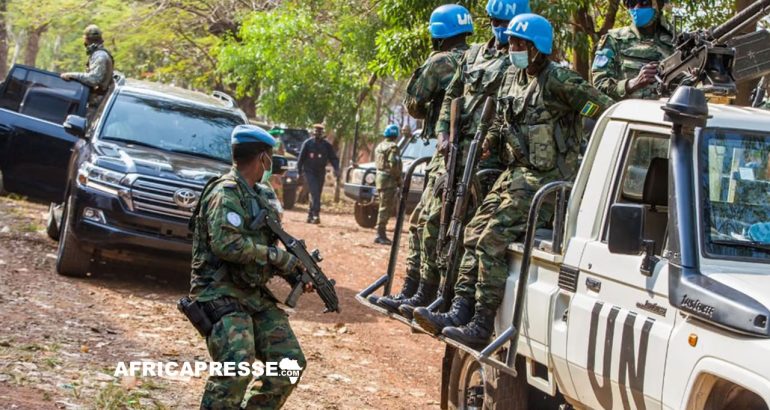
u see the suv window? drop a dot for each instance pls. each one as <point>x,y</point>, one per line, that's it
<point>41,95</point>
<point>418,148</point>
<point>171,125</point>
<point>292,139</point>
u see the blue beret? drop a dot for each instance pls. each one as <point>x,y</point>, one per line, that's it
<point>251,133</point>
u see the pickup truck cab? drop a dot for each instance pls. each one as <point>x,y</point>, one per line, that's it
<point>652,289</point>
<point>359,180</point>
<point>34,147</point>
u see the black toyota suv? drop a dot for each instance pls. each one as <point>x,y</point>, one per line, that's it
<point>137,171</point>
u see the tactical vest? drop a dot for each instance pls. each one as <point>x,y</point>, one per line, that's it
<point>634,53</point>
<point>481,78</point>
<point>212,268</point>
<point>545,135</point>
<point>104,86</point>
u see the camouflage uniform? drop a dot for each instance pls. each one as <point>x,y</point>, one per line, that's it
<point>424,95</point>
<point>388,161</point>
<point>620,55</point>
<point>98,75</point>
<point>551,128</point>
<point>231,260</point>
<point>479,75</point>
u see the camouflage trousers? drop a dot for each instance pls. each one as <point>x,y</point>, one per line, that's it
<point>241,337</point>
<point>388,206</point>
<point>501,219</point>
<point>417,222</point>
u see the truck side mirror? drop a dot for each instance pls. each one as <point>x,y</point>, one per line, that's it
<point>280,165</point>
<point>75,125</point>
<point>626,234</point>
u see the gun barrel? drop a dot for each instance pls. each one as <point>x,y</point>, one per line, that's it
<point>748,15</point>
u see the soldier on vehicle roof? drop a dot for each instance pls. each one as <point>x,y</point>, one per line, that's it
<point>627,58</point>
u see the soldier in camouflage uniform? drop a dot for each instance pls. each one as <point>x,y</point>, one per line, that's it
<point>387,158</point>
<point>626,60</point>
<point>232,261</point>
<point>538,120</point>
<point>98,76</point>
<point>478,75</point>
<point>450,24</point>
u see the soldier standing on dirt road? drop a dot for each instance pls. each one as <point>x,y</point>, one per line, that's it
<point>316,152</point>
<point>98,76</point>
<point>231,263</point>
<point>387,158</point>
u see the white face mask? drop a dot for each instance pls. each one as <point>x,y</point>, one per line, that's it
<point>519,59</point>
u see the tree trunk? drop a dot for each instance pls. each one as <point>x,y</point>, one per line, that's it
<point>583,22</point>
<point>33,44</point>
<point>743,96</point>
<point>3,40</point>
<point>344,159</point>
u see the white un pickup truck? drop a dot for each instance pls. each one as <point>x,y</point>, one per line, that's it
<point>652,290</point>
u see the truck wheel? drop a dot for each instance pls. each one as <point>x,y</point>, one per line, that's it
<point>289,197</point>
<point>70,260</point>
<point>476,386</point>
<point>53,222</point>
<point>366,214</point>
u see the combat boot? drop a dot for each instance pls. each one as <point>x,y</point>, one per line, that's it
<point>477,332</point>
<point>392,302</point>
<point>425,294</point>
<point>309,218</point>
<point>459,314</point>
<point>382,238</point>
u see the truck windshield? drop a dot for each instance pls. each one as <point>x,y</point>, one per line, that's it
<point>735,183</point>
<point>171,125</point>
<point>418,148</point>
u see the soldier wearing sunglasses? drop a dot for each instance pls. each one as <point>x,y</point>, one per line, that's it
<point>626,60</point>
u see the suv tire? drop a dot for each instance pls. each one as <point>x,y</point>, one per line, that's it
<point>70,259</point>
<point>289,197</point>
<point>366,214</point>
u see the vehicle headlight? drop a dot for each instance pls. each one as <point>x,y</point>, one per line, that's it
<point>369,178</point>
<point>101,179</point>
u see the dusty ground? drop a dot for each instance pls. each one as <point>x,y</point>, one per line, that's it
<point>61,338</point>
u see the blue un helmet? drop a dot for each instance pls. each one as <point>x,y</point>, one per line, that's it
<point>450,20</point>
<point>505,10</point>
<point>534,28</point>
<point>391,131</point>
<point>243,134</point>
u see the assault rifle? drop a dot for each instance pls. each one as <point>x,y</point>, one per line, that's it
<point>462,198</point>
<point>453,155</point>
<point>706,58</point>
<point>312,272</point>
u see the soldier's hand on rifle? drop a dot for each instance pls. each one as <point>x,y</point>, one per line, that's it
<point>645,77</point>
<point>308,288</point>
<point>283,260</point>
<point>443,142</point>
<point>485,152</point>
<point>66,76</point>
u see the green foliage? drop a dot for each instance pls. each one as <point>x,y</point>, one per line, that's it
<point>304,64</point>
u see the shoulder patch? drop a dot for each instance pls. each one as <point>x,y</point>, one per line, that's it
<point>229,184</point>
<point>234,219</point>
<point>589,109</point>
<point>602,58</point>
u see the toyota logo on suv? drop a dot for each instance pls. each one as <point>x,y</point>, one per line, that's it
<point>185,198</point>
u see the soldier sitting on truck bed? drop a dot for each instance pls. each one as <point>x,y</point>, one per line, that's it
<point>540,106</point>
<point>626,60</point>
<point>479,75</point>
<point>450,24</point>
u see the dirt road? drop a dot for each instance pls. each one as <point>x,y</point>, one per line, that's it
<point>61,338</point>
